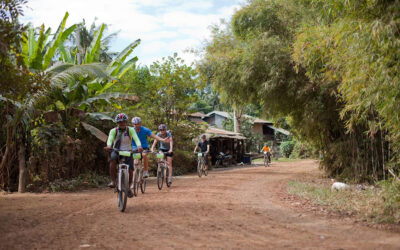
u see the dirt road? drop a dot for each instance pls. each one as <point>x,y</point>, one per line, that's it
<point>240,208</point>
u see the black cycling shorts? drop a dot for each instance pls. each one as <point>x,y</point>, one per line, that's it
<point>115,157</point>
<point>166,151</point>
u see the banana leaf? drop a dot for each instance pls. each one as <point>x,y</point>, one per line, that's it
<point>95,131</point>
<point>54,43</point>
<point>94,45</point>
<point>35,61</point>
<point>127,66</point>
<point>109,96</point>
<point>113,67</point>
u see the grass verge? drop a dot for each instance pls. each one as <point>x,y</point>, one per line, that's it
<point>378,205</point>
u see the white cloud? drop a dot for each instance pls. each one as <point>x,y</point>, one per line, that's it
<point>165,26</point>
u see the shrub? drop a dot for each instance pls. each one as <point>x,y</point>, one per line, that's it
<point>301,151</point>
<point>183,162</point>
<point>287,148</point>
<point>55,155</point>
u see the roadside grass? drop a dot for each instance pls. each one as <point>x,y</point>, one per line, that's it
<point>377,205</point>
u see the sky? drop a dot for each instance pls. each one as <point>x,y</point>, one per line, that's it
<point>164,26</point>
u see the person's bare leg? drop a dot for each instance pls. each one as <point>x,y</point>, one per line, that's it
<point>169,159</point>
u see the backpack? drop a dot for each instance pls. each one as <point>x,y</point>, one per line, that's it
<point>117,143</point>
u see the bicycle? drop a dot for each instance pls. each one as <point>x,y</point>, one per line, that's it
<point>201,164</point>
<point>162,170</point>
<point>138,179</point>
<point>122,181</point>
<point>266,159</point>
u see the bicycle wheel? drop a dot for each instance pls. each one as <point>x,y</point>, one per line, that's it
<point>199,170</point>
<point>136,176</point>
<point>265,161</point>
<point>143,184</point>
<point>160,177</point>
<point>123,193</point>
<point>166,177</point>
<point>205,169</point>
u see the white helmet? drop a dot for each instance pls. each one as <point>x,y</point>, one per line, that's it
<point>136,120</point>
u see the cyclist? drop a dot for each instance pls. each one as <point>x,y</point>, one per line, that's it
<point>267,150</point>
<point>121,138</point>
<point>142,133</point>
<point>165,147</point>
<point>204,146</point>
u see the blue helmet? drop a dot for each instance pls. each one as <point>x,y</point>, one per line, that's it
<point>162,127</point>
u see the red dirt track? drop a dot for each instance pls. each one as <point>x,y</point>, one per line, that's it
<point>237,208</point>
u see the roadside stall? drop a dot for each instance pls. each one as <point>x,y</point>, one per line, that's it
<point>227,142</point>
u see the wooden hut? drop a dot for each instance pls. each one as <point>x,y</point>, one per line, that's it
<point>227,142</point>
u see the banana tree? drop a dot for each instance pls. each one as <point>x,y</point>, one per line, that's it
<point>37,51</point>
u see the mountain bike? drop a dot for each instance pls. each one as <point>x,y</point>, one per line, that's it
<point>138,179</point>
<point>266,159</point>
<point>162,170</point>
<point>201,164</point>
<point>122,181</point>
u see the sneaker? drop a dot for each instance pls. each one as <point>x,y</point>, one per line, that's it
<point>146,174</point>
<point>169,180</point>
<point>130,193</point>
<point>111,185</point>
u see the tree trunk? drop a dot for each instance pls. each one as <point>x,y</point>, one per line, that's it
<point>22,168</point>
<point>237,117</point>
<point>235,121</point>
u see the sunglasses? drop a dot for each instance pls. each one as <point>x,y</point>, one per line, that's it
<point>162,129</point>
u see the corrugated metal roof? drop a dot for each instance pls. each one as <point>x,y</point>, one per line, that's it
<point>216,132</point>
<point>221,113</point>
<point>197,114</point>
<point>280,130</point>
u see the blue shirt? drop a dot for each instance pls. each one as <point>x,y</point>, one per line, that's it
<point>142,134</point>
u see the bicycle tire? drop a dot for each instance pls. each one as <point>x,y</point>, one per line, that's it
<point>143,185</point>
<point>123,193</point>
<point>166,177</point>
<point>199,170</point>
<point>205,169</point>
<point>160,177</point>
<point>136,175</point>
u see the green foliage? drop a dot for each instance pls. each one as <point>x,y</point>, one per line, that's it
<point>286,148</point>
<point>326,66</point>
<point>37,52</point>
<point>302,151</point>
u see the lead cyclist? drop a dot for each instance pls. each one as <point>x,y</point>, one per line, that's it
<point>120,138</point>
